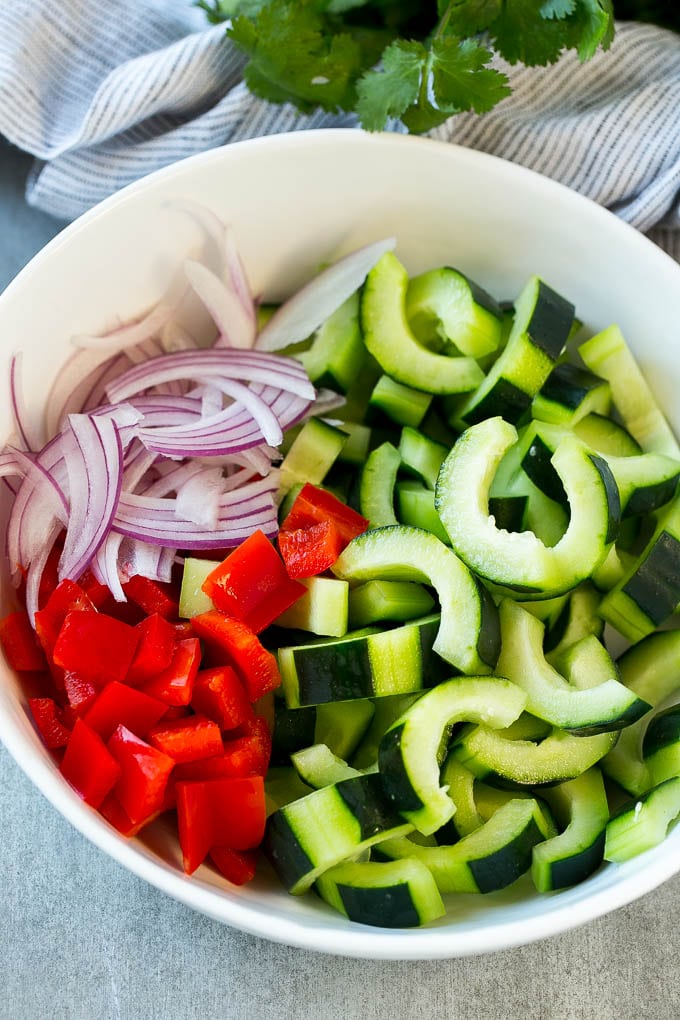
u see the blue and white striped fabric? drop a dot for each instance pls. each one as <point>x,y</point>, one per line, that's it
<point>102,94</point>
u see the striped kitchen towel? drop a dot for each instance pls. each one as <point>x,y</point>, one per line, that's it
<point>103,94</point>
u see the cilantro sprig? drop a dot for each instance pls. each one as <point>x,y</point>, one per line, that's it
<point>417,62</point>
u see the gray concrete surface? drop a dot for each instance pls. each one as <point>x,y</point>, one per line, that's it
<point>82,939</point>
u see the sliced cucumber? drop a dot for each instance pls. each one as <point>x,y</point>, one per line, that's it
<point>409,756</point>
<point>389,339</point>
<point>661,746</point>
<point>540,330</point>
<point>606,435</point>
<point>569,394</point>
<point>341,725</point>
<point>415,507</point>
<point>560,756</point>
<point>605,705</point>
<point>387,710</point>
<point>390,894</point>
<point>192,599</point>
<point>323,828</point>
<point>388,662</point>
<point>337,351</point>
<point>421,456</point>
<point>376,488</point>
<point>520,561</point>
<point>609,356</point>
<point>374,601</point>
<point>444,305</point>
<point>578,619</point>
<point>317,766</point>
<point>468,636</point>
<point>401,403</point>
<point>460,786</point>
<point>642,823</point>
<point>314,451</point>
<point>323,609</point>
<point>581,806</point>
<point>490,858</point>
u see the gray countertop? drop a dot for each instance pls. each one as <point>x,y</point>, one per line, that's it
<point>80,937</point>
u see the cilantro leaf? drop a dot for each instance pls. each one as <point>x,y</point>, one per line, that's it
<point>592,26</point>
<point>557,8</point>
<point>295,56</point>
<point>424,87</point>
<point>468,17</point>
<point>522,35</point>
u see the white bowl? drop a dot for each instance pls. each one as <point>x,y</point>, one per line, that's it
<point>295,201</point>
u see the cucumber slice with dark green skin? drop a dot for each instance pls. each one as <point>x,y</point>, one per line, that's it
<point>409,752</point>
<point>293,729</point>
<point>375,601</point>
<point>651,669</point>
<point>570,857</point>
<point>606,435</point>
<point>444,305</point>
<point>390,894</point>
<point>322,610</point>
<point>570,393</point>
<point>490,858</point>
<point>387,710</point>
<point>609,356</point>
<point>376,488</point>
<point>415,507</point>
<point>649,592</point>
<point>356,449</point>
<point>606,705</point>
<point>661,746</point>
<point>520,561</point>
<point>337,350</point>
<point>540,330</point>
<point>578,619</point>
<point>643,822</point>
<point>560,756</point>
<point>421,455</point>
<point>508,511</point>
<point>282,785</point>
<point>317,766</point>
<point>396,661</point>
<point>401,403</point>
<point>389,338</point>
<point>468,636</point>
<point>460,784</point>
<point>318,831</point>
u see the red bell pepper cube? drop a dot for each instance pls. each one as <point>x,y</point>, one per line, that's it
<point>219,812</point>
<point>311,551</point>
<point>97,647</point>
<point>252,584</point>
<point>152,596</point>
<point>120,705</point>
<point>113,812</point>
<point>48,621</point>
<point>88,765</point>
<point>187,739</point>
<point>256,666</point>
<point>80,693</point>
<point>246,755</point>
<point>50,722</point>
<point>237,866</point>
<point>144,774</point>
<point>174,685</point>
<point>20,644</point>
<point>154,651</point>
<point>220,695</point>
<point>313,505</point>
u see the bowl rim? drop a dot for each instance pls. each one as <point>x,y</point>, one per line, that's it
<point>354,940</point>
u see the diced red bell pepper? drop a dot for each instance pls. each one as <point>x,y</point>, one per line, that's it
<point>113,812</point>
<point>120,705</point>
<point>174,685</point>
<point>187,739</point>
<point>144,774</point>
<point>252,584</point>
<point>256,666</point>
<point>20,644</point>
<point>220,695</point>
<point>219,812</point>
<point>88,765</point>
<point>48,621</point>
<point>50,722</point>
<point>97,647</point>
<point>80,693</point>
<point>237,866</point>
<point>98,593</point>
<point>311,551</point>
<point>154,650</point>
<point>152,596</point>
<point>246,755</point>
<point>313,505</point>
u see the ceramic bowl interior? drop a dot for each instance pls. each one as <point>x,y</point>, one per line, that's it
<point>296,201</point>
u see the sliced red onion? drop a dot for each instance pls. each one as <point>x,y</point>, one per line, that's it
<point>175,337</point>
<point>130,334</point>
<point>104,565</point>
<point>94,463</point>
<point>237,275</point>
<point>263,415</point>
<point>26,431</point>
<point>303,313</point>
<point>206,365</point>
<point>198,499</point>
<point>236,328</point>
